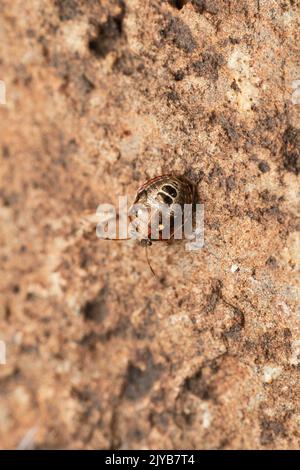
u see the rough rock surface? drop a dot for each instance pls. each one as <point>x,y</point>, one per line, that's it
<point>102,95</point>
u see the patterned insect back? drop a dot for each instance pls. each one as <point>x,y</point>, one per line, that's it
<point>158,205</point>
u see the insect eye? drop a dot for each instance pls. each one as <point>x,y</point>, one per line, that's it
<point>170,190</point>
<point>167,199</point>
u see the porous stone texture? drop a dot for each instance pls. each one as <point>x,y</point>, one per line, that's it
<point>101,96</point>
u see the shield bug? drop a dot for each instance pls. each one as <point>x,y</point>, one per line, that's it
<point>159,209</point>
<point>162,198</point>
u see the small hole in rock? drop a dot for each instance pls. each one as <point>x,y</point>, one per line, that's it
<point>108,34</point>
<point>179,4</point>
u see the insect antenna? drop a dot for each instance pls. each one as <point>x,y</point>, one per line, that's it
<point>149,264</point>
<point>116,239</point>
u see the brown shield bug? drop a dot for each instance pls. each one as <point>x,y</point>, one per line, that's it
<point>162,193</point>
<point>157,196</point>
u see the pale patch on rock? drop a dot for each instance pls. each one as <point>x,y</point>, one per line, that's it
<point>180,319</point>
<point>206,416</point>
<point>234,268</point>
<point>295,357</point>
<point>75,36</point>
<point>296,94</point>
<point>57,282</point>
<point>254,401</point>
<point>21,396</point>
<point>27,441</point>
<point>285,308</point>
<point>239,63</point>
<point>271,373</point>
<point>2,92</point>
<point>291,253</point>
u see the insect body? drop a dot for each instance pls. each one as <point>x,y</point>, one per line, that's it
<point>161,195</point>
<point>156,200</point>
